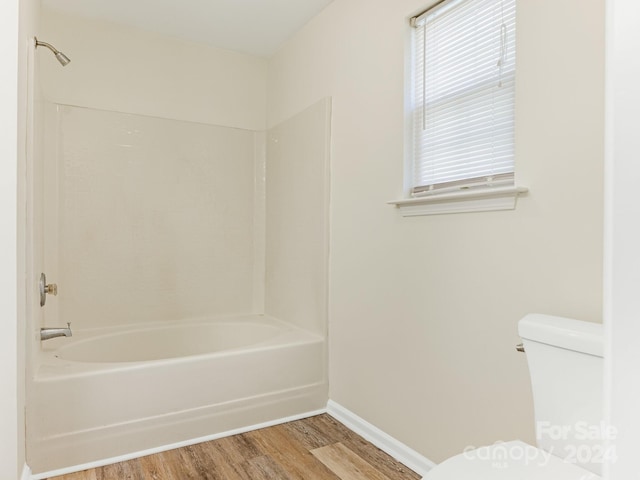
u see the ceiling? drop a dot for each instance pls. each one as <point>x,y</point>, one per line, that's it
<point>257,27</point>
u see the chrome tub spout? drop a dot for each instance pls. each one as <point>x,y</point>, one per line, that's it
<point>47,333</point>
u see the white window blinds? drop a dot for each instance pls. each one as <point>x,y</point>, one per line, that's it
<point>463,95</point>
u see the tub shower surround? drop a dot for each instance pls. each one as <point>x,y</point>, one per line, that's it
<point>160,236</point>
<point>159,213</point>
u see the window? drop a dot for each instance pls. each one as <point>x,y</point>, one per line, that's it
<point>463,96</point>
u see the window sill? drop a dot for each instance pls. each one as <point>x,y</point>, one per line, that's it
<point>480,200</point>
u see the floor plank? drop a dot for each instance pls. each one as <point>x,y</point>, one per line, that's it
<point>266,468</point>
<point>307,434</point>
<point>346,464</point>
<point>315,448</point>
<point>296,460</point>
<point>181,464</point>
<point>122,471</point>
<point>84,475</point>
<point>156,468</point>
<point>225,461</point>
<point>369,452</point>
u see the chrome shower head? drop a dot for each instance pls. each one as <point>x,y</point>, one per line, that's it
<point>61,57</point>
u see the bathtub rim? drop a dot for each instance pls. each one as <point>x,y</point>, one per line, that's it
<point>52,368</point>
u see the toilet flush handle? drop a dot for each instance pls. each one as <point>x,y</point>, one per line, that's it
<point>520,347</point>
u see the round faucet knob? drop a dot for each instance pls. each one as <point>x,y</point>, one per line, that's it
<point>51,289</point>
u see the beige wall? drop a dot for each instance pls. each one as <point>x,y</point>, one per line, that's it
<point>129,70</point>
<point>18,21</point>
<point>11,451</point>
<point>423,311</point>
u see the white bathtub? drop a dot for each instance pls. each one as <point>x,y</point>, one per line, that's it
<point>106,393</point>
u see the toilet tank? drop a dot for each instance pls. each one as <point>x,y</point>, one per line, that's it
<point>566,368</point>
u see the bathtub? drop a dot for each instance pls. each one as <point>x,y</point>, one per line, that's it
<point>107,393</point>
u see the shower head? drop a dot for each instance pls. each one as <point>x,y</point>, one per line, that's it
<point>61,57</point>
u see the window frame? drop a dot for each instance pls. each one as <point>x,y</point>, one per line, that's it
<point>456,197</point>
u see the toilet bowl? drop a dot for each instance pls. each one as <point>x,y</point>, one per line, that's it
<point>565,366</point>
<point>514,460</point>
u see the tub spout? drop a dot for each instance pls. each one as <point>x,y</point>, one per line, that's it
<point>47,333</point>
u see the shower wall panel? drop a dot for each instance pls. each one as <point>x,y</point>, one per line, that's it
<point>297,218</point>
<point>150,219</point>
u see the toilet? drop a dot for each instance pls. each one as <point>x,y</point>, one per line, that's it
<point>566,367</point>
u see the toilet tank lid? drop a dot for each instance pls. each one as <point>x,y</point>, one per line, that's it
<point>568,333</point>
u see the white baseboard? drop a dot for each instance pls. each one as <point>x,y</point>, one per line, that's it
<point>26,473</point>
<point>164,448</point>
<point>385,442</point>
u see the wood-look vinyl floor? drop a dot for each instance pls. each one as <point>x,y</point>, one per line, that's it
<point>315,448</point>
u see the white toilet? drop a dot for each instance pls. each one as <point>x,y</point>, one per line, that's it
<point>565,364</point>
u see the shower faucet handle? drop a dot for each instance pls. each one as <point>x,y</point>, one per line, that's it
<point>45,288</point>
<point>51,289</point>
